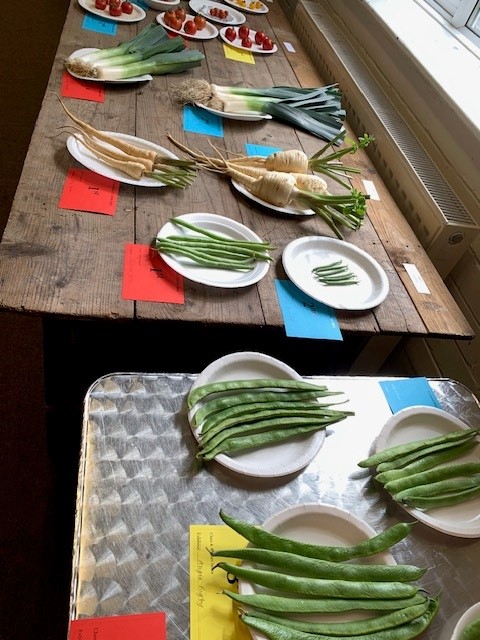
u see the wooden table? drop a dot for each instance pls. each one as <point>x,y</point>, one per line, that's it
<point>68,264</point>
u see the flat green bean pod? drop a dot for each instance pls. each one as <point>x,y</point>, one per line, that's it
<point>284,604</point>
<point>202,391</point>
<point>261,538</point>
<point>433,475</point>
<point>406,631</point>
<point>401,449</point>
<point>446,500</point>
<point>452,485</point>
<point>318,586</point>
<point>315,568</point>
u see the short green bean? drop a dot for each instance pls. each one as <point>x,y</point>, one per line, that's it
<point>261,538</point>
<point>471,631</point>
<point>318,586</point>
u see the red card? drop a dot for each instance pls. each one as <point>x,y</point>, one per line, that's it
<point>147,277</point>
<point>82,89</point>
<point>85,190</point>
<point>147,626</point>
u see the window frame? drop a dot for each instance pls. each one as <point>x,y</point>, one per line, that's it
<point>461,15</point>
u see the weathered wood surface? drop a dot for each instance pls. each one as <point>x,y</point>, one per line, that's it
<point>69,263</point>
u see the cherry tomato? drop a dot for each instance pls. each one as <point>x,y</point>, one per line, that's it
<point>127,7</point>
<point>267,44</point>
<point>230,34</point>
<point>200,22</point>
<point>181,14</point>
<point>260,37</point>
<point>190,28</point>
<point>247,43</point>
<point>243,32</point>
<point>113,10</point>
<point>101,4</point>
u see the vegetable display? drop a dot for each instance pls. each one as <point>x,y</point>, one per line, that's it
<point>420,474</point>
<point>302,578</point>
<point>152,51</point>
<point>212,250</point>
<point>271,411</point>
<point>317,110</point>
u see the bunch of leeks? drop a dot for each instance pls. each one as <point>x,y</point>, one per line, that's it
<point>317,110</point>
<point>152,51</point>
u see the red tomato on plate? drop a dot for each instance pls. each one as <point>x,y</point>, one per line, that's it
<point>260,37</point>
<point>243,32</point>
<point>190,28</point>
<point>114,10</point>
<point>127,7</point>
<point>267,44</point>
<point>247,43</point>
<point>230,34</point>
<point>101,4</point>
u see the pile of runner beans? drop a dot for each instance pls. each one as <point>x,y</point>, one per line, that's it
<point>302,578</point>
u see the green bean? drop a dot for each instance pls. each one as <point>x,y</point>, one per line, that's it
<point>440,487</point>
<point>314,568</point>
<point>392,453</point>
<point>406,631</point>
<point>471,631</point>
<point>433,475</point>
<point>265,539</point>
<point>202,391</point>
<point>284,604</point>
<point>318,586</point>
<point>430,461</point>
<point>350,628</point>
<point>242,443</point>
<point>204,259</point>
<point>446,500</point>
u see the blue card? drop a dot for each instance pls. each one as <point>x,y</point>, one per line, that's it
<point>260,150</point>
<point>303,316</point>
<point>142,4</point>
<point>401,394</point>
<point>198,120</point>
<point>94,23</point>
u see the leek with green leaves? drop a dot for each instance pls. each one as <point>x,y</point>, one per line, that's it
<point>317,110</point>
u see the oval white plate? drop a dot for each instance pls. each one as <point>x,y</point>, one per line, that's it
<point>303,254</point>
<point>454,627</point>
<point>275,460</point>
<point>237,43</point>
<point>293,212</point>
<point>205,275</point>
<point>323,524</point>
<point>234,3</point>
<point>203,7</point>
<point>209,32</point>
<point>250,117</point>
<point>137,14</point>
<point>86,157</point>
<point>82,52</point>
<point>416,423</point>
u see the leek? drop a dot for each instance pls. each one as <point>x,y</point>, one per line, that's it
<point>159,64</point>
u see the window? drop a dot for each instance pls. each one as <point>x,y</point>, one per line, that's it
<point>464,15</point>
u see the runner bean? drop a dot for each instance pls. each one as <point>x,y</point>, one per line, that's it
<point>447,500</point>
<point>433,475</point>
<point>452,485</point>
<point>471,631</point>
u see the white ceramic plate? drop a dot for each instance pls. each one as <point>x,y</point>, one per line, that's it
<point>245,7</point>
<point>203,7</point>
<point>303,254</point>
<point>237,43</point>
<point>137,14</point>
<point>275,460</point>
<point>209,32</point>
<point>86,157</point>
<point>293,212</point>
<point>416,423</point>
<point>324,524</point>
<point>81,52</point>
<point>454,627</point>
<point>250,117</point>
<point>205,275</point>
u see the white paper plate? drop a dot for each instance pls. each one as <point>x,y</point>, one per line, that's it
<point>237,43</point>
<point>203,7</point>
<point>214,277</point>
<point>416,423</point>
<point>81,52</point>
<point>303,254</point>
<point>86,157</point>
<point>137,14</point>
<point>239,5</point>
<point>209,32</point>
<point>250,117</point>
<point>289,210</point>
<point>454,627</point>
<point>275,460</point>
<point>324,524</point>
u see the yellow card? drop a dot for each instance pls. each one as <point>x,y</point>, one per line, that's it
<point>238,54</point>
<point>213,615</point>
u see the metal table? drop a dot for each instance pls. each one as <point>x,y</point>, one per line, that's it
<point>139,490</point>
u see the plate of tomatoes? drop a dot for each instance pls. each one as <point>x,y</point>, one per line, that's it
<point>181,22</point>
<point>251,6</point>
<point>245,38</point>
<point>118,10</point>
<point>217,12</point>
